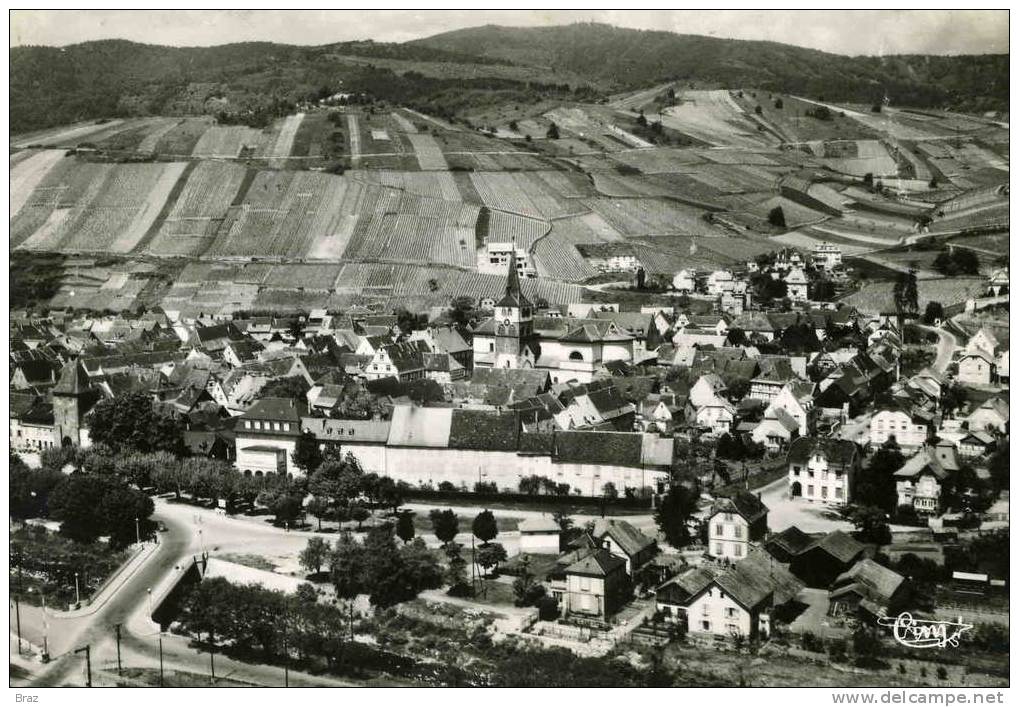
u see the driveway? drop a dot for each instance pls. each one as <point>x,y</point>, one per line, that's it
<point>947,345</point>
<point>784,512</point>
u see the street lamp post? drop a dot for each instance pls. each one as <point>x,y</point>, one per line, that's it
<point>149,591</point>
<point>160,658</point>
<point>77,590</point>
<point>45,630</point>
<point>137,531</point>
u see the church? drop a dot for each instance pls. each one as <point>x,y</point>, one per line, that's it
<point>569,349</point>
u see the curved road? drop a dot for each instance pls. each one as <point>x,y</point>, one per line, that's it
<point>947,344</point>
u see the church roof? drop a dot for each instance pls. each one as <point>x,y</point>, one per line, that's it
<point>514,296</point>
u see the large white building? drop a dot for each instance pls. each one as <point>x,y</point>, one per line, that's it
<point>822,469</point>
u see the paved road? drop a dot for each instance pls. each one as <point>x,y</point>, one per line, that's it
<point>947,344</point>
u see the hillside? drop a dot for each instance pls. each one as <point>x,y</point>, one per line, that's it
<point>633,58</point>
<point>248,82</point>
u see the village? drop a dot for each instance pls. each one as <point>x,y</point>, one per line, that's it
<point>713,470</point>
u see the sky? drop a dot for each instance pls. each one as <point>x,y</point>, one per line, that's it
<point>870,32</point>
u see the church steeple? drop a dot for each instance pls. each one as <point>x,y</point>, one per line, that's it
<point>514,296</point>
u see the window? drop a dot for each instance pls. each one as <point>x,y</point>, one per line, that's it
<point>739,532</point>
<point>719,529</point>
<point>718,549</point>
<point>810,490</point>
<point>705,625</point>
<point>728,517</point>
<point>704,610</point>
<point>824,492</point>
<point>838,493</point>
<point>730,612</point>
<point>737,550</point>
<point>585,584</point>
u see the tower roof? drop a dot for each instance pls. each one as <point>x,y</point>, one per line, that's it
<point>74,380</point>
<point>514,296</point>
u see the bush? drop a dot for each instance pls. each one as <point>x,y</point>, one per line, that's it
<point>837,650</point>
<point>811,642</point>
<point>548,609</point>
<point>942,673</point>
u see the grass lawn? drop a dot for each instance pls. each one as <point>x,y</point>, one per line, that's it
<point>493,593</point>
<point>254,561</point>
<point>174,678</point>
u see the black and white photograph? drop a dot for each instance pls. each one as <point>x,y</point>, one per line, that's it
<point>510,349</point>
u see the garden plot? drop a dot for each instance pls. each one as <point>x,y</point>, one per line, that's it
<point>646,217</point>
<point>659,160</point>
<point>561,260</point>
<point>284,143</point>
<point>795,214</point>
<point>415,229</point>
<point>157,133</point>
<point>714,118</point>
<point>511,228</point>
<point>228,141</point>
<point>428,153</point>
<point>499,190</point>
<point>437,185</point>
<point>883,122</point>
<point>589,228</point>
<point>182,138</point>
<point>282,215</point>
<point>191,225</point>
<point>402,122</point>
<point>871,158</point>
<point>28,173</point>
<point>302,276</point>
<point>354,131</point>
<point>111,213</point>
<point>877,297</point>
<point>65,136</point>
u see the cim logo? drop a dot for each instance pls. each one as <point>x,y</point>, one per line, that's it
<point>921,633</point>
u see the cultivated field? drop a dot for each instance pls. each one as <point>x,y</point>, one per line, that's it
<point>26,174</point>
<point>229,141</point>
<point>66,136</point>
<point>714,117</point>
<point>428,152</point>
<point>281,149</point>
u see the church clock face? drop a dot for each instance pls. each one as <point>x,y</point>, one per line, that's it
<point>506,322</point>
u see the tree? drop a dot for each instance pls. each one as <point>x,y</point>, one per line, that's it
<point>933,312</point>
<point>30,489</point>
<point>306,593</point>
<point>758,110</point>
<point>405,526</point>
<point>641,119</point>
<point>287,507</point>
<point>997,465</point>
<point>490,555</point>
<point>314,555</point>
<point>292,387</point>
<point>608,490</point>
<point>677,508</point>
<point>562,519</point>
<point>318,507</point>
<point>340,481</point>
<point>445,525</point>
<point>123,512</point>
<point>526,589</point>
<point>485,527</point>
<point>553,132</point>
<point>358,514</point>
<point>778,104</point>
<point>307,454</point>
<point>90,506</point>
<point>346,571</point>
<point>953,397</point>
<point>906,296</point>
<point>456,571</point>
<point>871,525</point>
<point>875,483</point>
<point>130,422</point>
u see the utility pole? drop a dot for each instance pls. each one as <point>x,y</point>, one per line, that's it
<point>212,659</point>
<point>88,664</point>
<point>160,658</point>
<point>286,649</point>
<point>17,620</point>
<point>119,667</point>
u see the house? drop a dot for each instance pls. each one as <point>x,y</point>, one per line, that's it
<point>539,536</point>
<point>705,390</point>
<point>716,416</point>
<point>717,602</point>
<point>685,281</point>
<point>976,367</point>
<point>734,523</point>
<point>786,545</point>
<point>1001,363</point>
<point>775,373</point>
<point>720,282</point>
<point>404,361</point>
<point>797,401</point>
<point>984,340</point>
<point>776,430</point>
<point>822,469</point>
<point>826,558</point>
<point>919,481</point>
<point>976,444</point>
<point>596,585</point>
<point>266,436</point>
<point>625,541</point>
<point>991,416</point>
<point>826,256</point>
<point>796,285</point>
<point>909,429</point>
<point>868,589</point>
